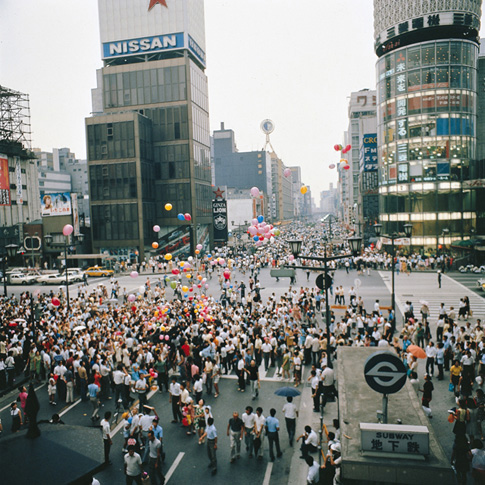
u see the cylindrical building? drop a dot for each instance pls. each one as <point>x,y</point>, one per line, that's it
<point>427,117</point>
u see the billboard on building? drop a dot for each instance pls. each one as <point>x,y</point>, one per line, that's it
<point>369,152</point>
<point>139,27</point>
<point>75,215</point>
<point>18,175</point>
<point>58,204</point>
<point>219,219</point>
<point>4,181</point>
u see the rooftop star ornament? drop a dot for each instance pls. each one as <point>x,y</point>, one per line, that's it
<point>154,2</point>
<point>218,193</point>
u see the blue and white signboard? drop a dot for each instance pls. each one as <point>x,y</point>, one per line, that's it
<point>143,45</point>
<point>369,152</point>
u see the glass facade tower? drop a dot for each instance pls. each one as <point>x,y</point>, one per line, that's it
<point>427,118</point>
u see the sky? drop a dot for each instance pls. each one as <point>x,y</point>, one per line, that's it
<point>292,61</point>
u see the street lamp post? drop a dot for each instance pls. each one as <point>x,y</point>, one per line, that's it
<point>408,230</point>
<point>295,247</point>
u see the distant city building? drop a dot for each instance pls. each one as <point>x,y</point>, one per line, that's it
<point>296,186</point>
<point>427,90</point>
<point>328,200</point>
<point>243,170</point>
<point>148,140</point>
<point>19,186</point>
<point>282,196</point>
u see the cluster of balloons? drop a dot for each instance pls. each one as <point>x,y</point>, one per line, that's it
<point>184,217</point>
<point>344,164</point>
<point>340,148</point>
<point>304,190</point>
<point>261,232</point>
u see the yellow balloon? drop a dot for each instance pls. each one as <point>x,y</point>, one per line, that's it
<point>156,313</point>
<point>168,257</point>
<point>185,289</point>
<point>189,275</point>
<point>168,207</point>
<point>304,190</point>
<point>181,264</point>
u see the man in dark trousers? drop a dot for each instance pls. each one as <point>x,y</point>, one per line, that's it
<point>272,427</point>
<point>439,279</point>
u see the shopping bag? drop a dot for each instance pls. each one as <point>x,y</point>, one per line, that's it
<point>451,387</point>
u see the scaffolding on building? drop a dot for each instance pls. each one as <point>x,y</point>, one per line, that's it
<point>15,128</point>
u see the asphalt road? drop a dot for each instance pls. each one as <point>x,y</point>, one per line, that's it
<point>469,280</point>
<point>186,461</point>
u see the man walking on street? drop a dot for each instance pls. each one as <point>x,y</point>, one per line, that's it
<point>106,429</point>
<point>133,467</point>
<point>249,419</point>
<point>259,423</point>
<point>93,391</point>
<point>211,434</point>
<point>290,412</point>
<point>175,392</point>
<point>154,459</point>
<point>273,427</point>
<point>253,379</point>
<point>235,432</point>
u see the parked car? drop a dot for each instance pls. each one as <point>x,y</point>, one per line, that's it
<point>98,271</point>
<point>75,274</point>
<point>22,279</point>
<point>481,283</point>
<point>57,279</point>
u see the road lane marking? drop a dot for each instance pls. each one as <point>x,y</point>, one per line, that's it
<point>267,475</point>
<point>75,403</point>
<point>175,464</point>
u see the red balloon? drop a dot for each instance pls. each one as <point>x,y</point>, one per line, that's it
<point>346,167</point>
<point>348,147</point>
<point>133,308</point>
<point>175,271</point>
<point>336,148</point>
<point>261,238</point>
<point>55,301</point>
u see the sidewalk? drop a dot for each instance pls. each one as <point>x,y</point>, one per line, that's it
<point>306,416</point>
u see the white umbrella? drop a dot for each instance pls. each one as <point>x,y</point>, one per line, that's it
<point>79,327</point>
<point>423,302</point>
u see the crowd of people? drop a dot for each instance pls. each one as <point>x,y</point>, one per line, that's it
<point>173,335</point>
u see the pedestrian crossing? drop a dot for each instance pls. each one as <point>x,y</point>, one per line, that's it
<point>424,286</point>
<point>270,375</point>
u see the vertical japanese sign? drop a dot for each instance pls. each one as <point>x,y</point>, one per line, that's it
<point>4,181</point>
<point>18,177</point>
<point>75,214</point>
<point>219,219</point>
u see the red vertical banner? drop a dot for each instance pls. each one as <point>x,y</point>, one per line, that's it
<point>4,181</point>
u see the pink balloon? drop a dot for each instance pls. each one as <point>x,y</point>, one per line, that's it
<point>222,262</point>
<point>134,274</point>
<point>156,228</point>
<point>199,246</point>
<point>131,297</point>
<point>254,191</point>
<point>291,258</point>
<point>252,230</point>
<point>206,286</point>
<point>67,230</point>
<point>287,172</point>
<point>331,166</point>
<point>166,337</point>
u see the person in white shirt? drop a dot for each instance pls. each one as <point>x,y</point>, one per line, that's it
<point>259,422</point>
<point>106,430</point>
<point>313,476</point>
<point>133,465</point>
<point>290,413</point>
<point>249,419</point>
<point>175,392</point>
<point>309,443</point>
<point>430,357</point>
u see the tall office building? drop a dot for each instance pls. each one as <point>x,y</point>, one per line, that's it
<point>148,139</point>
<point>427,118</point>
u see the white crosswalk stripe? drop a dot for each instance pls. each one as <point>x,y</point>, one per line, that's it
<point>424,286</point>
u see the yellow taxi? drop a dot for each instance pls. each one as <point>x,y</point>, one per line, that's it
<point>98,271</point>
